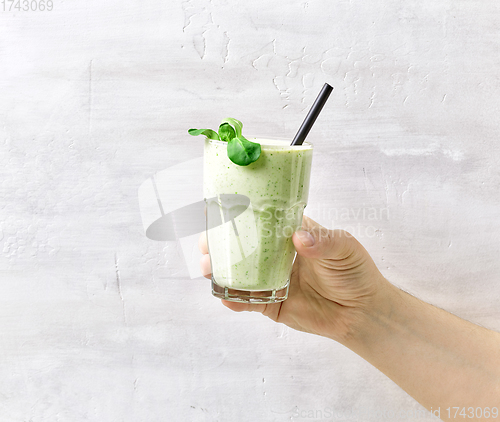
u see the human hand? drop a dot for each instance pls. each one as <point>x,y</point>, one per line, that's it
<point>333,286</point>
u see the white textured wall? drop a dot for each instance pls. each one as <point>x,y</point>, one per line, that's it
<point>99,323</point>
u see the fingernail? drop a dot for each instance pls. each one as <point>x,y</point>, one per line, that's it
<point>306,238</point>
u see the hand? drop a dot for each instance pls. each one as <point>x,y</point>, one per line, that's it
<point>333,286</point>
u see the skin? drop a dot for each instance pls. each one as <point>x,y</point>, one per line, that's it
<point>336,291</point>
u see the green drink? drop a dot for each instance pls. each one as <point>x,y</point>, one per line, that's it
<point>259,207</point>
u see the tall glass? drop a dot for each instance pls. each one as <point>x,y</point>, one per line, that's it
<point>252,213</point>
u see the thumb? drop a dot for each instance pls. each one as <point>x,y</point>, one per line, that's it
<point>316,241</point>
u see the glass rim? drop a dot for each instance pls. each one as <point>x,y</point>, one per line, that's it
<point>306,145</point>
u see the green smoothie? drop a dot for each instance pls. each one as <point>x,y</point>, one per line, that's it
<point>254,251</point>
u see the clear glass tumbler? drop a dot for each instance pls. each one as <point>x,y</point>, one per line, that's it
<point>252,213</point>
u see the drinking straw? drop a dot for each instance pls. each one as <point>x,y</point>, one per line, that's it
<point>312,115</point>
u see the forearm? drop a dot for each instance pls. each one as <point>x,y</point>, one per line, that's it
<point>439,359</point>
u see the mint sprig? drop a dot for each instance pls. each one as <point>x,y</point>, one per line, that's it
<point>240,150</point>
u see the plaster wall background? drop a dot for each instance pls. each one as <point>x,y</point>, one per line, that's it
<point>99,323</point>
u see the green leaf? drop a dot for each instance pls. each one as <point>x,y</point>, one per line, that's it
<point>209,133</point>
<point>243,152</point>
<point>236,124</point>
<point>226,132</point>
<point>239,150</point>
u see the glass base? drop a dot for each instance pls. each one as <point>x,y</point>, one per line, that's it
<point>250,296</point>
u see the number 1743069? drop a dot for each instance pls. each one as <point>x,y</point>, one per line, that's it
<point>26,5</point>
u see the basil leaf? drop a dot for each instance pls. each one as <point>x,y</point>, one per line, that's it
<point>243,152</point>
<point>236,124</point>
<point>209,133</point>
<point>226,132</point>
<point>239,150</point>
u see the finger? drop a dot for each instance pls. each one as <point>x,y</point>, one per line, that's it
<point>244,307</point>
<point>202,243</point>
<point>316,241</point>
<point>270,310</point>
<point>205,266</point>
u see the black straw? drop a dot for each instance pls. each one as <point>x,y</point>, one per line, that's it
<point>312,115</point>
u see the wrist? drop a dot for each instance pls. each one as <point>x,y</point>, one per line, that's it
<point>374,319</point>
